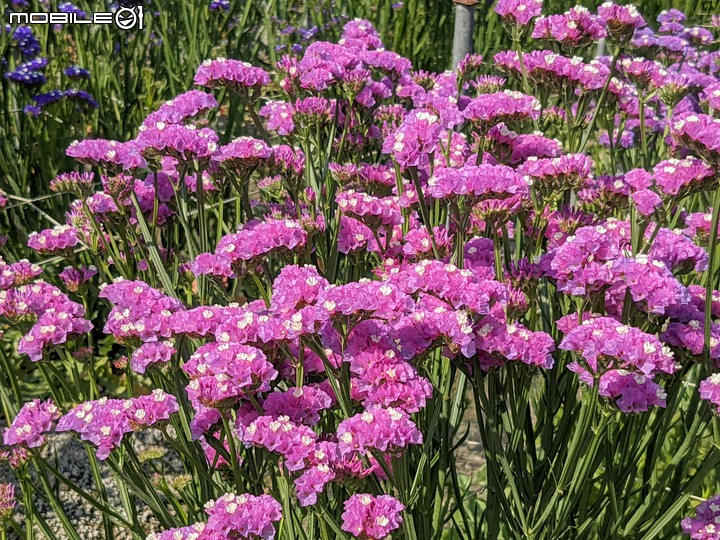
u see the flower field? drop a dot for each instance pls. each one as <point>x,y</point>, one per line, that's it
<point>348,293</point>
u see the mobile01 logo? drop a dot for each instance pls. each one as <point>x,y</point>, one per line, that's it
<point>123,18</point>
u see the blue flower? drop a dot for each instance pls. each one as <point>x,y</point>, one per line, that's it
<point>77,72</point>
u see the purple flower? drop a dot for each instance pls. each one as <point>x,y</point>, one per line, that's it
<point>77,72</point>
<point>32,422</point>
<point>221,373</point>
<point>26,41</point>
<point>385,430</point>
<point>151,354</point>
<point>243,516</point>
<point>79,184</point>
<point>575,28</point>
<point>519,12</point>
<point>111,155</point>
<point>185,143</point>
<point>507,107</point>
<point>621,21</point>
<point>414,140</point>
<point>139,311</point>
<point>60,238</point>
<point>279,116</point>
<point>623,359</point>
<point>241,155</point>
<point>681,177</point>
<point>706,523</point>
<point>369,517</point>
<point>475,183</point>
<point>105,422</point>
<point>243,251</point>
<point>74,278</point>
<point>233,74</point>
<point>710,390</point>
<point>7,502</point>
<point>197,531</point>
<point>186,106</point>
<point>553,176</point>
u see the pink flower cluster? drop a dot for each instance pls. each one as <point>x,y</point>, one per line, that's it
<point>31,423</point>
<point>706,523</point>
<point>233,74</point>
<point>620,360</point>
<point>105,422</point>
<point>58,239</point>
<point>369,517</point>
<point>242,252</point>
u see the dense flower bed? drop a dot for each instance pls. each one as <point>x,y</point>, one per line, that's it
<point>302,312</point>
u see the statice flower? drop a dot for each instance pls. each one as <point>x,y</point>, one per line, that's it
<point>312,482</point>
<point>476,183</point>
<point>53,327</point>
<point>242,155</point>
<point>711,96</point>
<point>233,74</point>
<point>545,68</point>
<point>575,28</point>
<point>221,373</point>
<point>74,278</point>
<point>385,430</point>
<point>18,273</point>
<point>507,107</point>
<point>361,34</point>
<point>579,264</point>
<point>650,282</point>
<point>139,311</point>
<point>60,238</point>
<point>279,116</point>
<point>77,72</point>
<point>294,442</point>
<point>369,517</point>
<point>301,405</point>
<point>691,337</point>
<point>106,154</point>
<point>182,108</point>
<point>698,226</point>
<point>185,143</point>
<point>499,342</point>
<point>30,73</point>
<point>488,84</point>
<point>415,139</point>
<point>196,531</point>
<point>239,253</point>
<point>243,516</point>
<point>512,148</point>
<point>79,184</point>
<point>621,21</point>
<point>146,411</point>
<point>375,212</point>
<point>681,177</point>
<point>700,133</point>
<point>151,354</point>
<point>706,523</point>
<point>296,287</point>
<point>105,422</point>
<point>26,41</point>
<point>671,20</point>
<point>519,12</point>
<point>622,358</point>
<point>710,390</point>
<point>32,422</point>
<point>677,252</point>
<point>554,176</point>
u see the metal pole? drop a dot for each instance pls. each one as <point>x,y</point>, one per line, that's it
<point>464,26</point>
